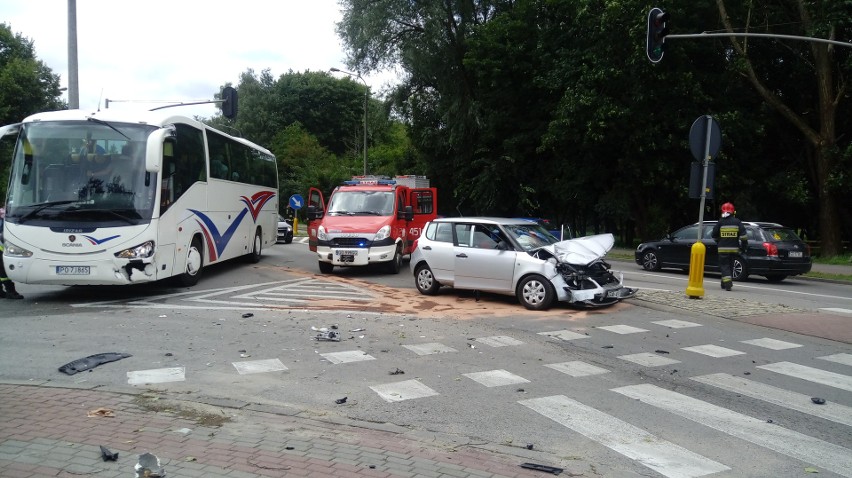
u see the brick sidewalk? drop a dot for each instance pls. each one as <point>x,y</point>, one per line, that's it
<point>45,432</point>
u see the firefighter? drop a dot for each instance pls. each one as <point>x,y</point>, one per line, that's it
<point>730,236</point>
<point>7,287</point>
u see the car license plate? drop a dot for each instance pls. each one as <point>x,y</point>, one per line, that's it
<point>612,293</point>
<point>73,270</point>
<point>795,254</point>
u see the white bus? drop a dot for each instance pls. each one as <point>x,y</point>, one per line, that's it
<point>117,197</point>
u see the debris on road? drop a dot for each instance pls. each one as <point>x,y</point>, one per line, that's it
<point>341,401</point>
<point>107,455</point>
<point>148,466</point>
<point>328,336</point>
<point>396,372</point>
<point>547,469</point>
<point>247,315</point>
<point>90,362</point>
<point>818,401</point>
<point>101,412</point>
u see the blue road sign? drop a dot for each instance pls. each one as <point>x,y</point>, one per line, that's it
<point>296,201</point>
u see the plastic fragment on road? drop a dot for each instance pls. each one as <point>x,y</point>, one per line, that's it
<point>396,372</point>
<point>341,401</point>
<point>818,401</point>
<point>547,469</point>
<point>101,412</point>
<point>328,336</point>
<point>148,466</point>
<point>92,361</point>
<point>108,455</point>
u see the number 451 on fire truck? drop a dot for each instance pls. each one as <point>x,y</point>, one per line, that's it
<point>369,220</point>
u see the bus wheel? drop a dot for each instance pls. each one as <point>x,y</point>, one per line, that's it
<point>254,256</point>
<point>194,264</point>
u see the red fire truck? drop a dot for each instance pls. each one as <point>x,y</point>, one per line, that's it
<point>369,220</point>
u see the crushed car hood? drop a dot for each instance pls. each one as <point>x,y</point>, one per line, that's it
<point>582,251</point>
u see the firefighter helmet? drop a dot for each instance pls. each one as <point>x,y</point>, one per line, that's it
<point>728,207</point>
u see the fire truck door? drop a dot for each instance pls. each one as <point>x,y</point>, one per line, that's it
<point>316,206</point>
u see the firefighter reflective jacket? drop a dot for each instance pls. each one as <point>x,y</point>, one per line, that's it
<point>730,235</point>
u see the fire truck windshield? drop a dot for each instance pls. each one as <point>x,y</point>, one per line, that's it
<point>361,203</point>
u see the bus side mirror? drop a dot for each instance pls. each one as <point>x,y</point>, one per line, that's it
<point>313,213</point>
<point>406,213</point>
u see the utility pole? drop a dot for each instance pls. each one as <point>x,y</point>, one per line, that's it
<point>366,97</point>
<point>73,87</point>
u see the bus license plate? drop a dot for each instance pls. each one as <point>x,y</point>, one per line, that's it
<point>795,253</point>
<point>73,270</point>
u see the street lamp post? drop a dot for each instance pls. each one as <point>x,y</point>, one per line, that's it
<point>366,96</point>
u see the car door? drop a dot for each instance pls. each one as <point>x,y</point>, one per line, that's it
<point>481,263</point>
<point>438,250</point>
<point>679,248</point>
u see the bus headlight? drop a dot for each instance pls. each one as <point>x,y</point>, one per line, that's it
<point>141,251</point>
<point>321,235</point>
<point>383,233</point>
<point>12,250</point>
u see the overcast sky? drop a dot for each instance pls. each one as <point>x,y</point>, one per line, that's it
<point>179,50</point>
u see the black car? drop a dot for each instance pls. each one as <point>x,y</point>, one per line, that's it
<point>285,230</point>
<point>774,251</point>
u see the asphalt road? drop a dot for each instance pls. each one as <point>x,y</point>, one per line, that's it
<point>644,388</point>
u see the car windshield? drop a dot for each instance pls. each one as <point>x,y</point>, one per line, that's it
<point>778,234</point>
<point>361,203</point>
<point>530,236</point>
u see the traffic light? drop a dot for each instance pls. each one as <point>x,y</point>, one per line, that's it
<point>229,103</point>
<point>657,32</point>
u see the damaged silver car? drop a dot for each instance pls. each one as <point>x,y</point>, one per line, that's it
<point>516,257</point>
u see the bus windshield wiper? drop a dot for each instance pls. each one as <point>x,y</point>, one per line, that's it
<point>41,207</point>
<point>100,121</point>
<point>111,212</point>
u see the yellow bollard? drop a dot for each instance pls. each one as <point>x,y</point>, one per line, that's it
<point>695,287</point>
<point>295,225</point>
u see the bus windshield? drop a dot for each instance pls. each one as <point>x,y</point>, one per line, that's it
<point>81,172</point>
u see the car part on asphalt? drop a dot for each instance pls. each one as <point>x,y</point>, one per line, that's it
<point>92,361</point>
<point>107,455</point>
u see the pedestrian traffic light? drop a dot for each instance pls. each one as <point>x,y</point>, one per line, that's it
<point>657,31</point>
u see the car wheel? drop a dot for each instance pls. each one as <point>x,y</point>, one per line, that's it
<point>326,267</point>
<point>288,239</point>
<point>396,263</point>
<point>739,271</point>
<point>194,264</point>
<point>535,292</point>
<point>253,257</point>
<point>425,280</point>
<point>650,261</point>
<point>775,277</point>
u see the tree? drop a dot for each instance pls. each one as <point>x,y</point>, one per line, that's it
<point>815,111</point>
<point>27,85</point>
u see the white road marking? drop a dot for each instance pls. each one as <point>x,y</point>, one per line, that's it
<point>676,324</point>
<point>564,335</point>
<point>778,396</point>
<point>845,359</point>
<point>771,344</point>
<point>499,341</point>
<point>259,366</point>
<point>622,329</point>
<point>662,456</point>
<point>428,349</point>
<point>768,435</point>
<point>496,378</point>
<point>347,357</point>
<point>406,390</point>
<point>648,359</point>
<point>713,351</point>
<point>158,375</point>
<point>577,368</point>
<point>831,379</point>
<point>835,310</point>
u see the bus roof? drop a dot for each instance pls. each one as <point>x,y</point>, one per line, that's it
<point>162,117</point>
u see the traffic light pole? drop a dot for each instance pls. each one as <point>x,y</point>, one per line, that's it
<point>759,35</point>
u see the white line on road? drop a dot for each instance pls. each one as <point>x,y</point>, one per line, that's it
<point>836,380</point>
<point>768,435</point>
<point>778,396</point>
<point>657,454</point>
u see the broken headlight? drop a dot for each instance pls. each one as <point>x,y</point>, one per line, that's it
<point>141,251</point>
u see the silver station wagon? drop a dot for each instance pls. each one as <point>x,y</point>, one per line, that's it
<point>516,257</point>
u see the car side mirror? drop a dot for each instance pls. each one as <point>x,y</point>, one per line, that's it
<point>406,213</point>
<point>313,213</point>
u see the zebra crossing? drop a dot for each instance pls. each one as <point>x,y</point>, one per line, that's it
<point>622,434</point>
